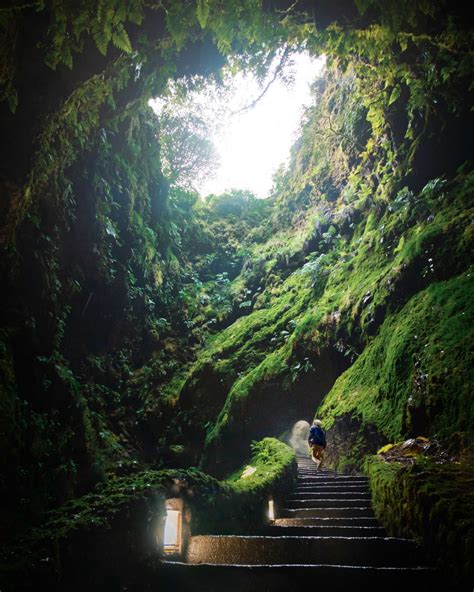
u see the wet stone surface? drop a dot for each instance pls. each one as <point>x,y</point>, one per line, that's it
<point>327,520</point>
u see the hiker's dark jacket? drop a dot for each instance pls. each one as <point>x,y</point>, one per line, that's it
<point>317,436</point>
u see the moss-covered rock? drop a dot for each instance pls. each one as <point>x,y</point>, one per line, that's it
<point>415,376</point>
<point>431,502</point>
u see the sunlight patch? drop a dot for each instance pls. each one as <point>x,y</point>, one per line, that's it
<point>248,472</point>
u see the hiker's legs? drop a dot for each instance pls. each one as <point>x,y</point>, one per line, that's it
<point>316,453</point>
<point>321,456</point>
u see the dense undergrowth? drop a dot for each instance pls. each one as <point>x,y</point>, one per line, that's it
<point>144,328</point>
<point>113,536</point>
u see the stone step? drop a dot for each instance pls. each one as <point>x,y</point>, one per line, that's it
<point>335,487</point>
<point>326,502</point>
<point>344,512</point>
<point>297,529</point>
<point>311,482</point>
<point>304,495</point>
<point>261,550</point>
<point>322,472</point>
<point>182,577</point>
<point>315,474</point>
<point>328,521</point>
<point>316,471</point>
<point>336,479</point>
<point>336,494</point>
<point>309,462</point>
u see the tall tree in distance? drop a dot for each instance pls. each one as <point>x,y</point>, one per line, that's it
<point>186,122</point>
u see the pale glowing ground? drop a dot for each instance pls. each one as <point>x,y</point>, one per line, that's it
<point>254,143</point>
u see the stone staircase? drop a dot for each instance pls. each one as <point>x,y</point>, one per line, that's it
<point>325,536</point>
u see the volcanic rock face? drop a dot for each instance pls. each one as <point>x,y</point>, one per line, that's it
<point>142,326</point>
<point>347,441</point>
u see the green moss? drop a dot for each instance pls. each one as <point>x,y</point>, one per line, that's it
<point>112,529</point>
<point>271,459</point>
<point>385,448</point>
<point>254,349</point>
<point>419,362</point>
<point>244,506</point>
<point>395,252</point>
<point>430,502</point>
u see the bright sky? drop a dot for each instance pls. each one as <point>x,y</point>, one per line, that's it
<point>256,142</point>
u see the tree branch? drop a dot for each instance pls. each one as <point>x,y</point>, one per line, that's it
<point>353,141</point>
<point>278,69</point>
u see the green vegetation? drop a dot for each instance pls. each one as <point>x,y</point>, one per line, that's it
<point>121,520</point>
<point>371,293</point>
<point>146,330</point>
<point>414,377</point>
<point>431,502</point>
<point>271,459</point>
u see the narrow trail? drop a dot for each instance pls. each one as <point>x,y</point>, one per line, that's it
<point>326,534</point>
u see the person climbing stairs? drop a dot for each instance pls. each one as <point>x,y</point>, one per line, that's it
<point>326,534</point>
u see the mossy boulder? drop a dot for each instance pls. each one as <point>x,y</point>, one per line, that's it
<point>413,379</point>
<point>431,502</point>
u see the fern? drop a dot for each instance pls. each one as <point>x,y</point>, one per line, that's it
<point>175,28</point>
<point>135,12</point>
<point>101,40</point>
<point>121,40</point>
<point>202,12</point>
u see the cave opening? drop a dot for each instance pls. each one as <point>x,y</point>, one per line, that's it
<point>160,334</point>
<point>232,127</point>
